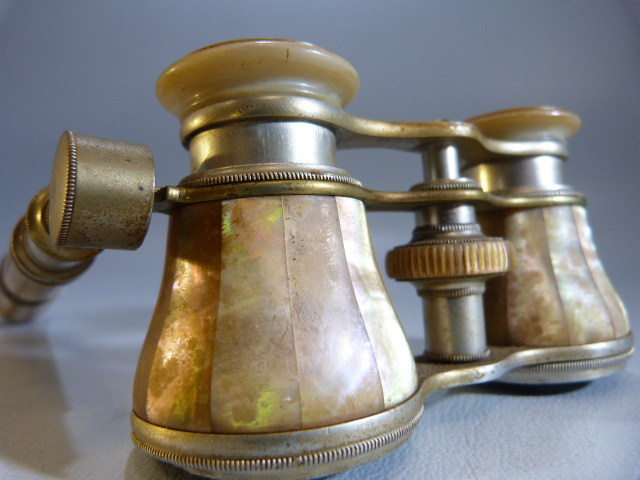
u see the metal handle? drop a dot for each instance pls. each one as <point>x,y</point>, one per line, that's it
<point>101,196</point>
<point>35,270</point>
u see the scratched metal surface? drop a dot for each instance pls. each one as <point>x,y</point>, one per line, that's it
<point>66,381</point>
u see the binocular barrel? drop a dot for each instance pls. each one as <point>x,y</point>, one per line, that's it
<point>274,350</point>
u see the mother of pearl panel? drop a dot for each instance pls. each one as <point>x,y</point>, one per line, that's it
<point>588,319</point>
<point>172,382</point>
<point>395,360</point>
<point>263,322</point>
<point>615,306</point>
<point>556,292</point>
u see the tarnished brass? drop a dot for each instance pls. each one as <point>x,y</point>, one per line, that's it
<point>101,193</point>
<point>274,350</point>
<point>35,270</point>
<point>356,132</point>
<point>170,198</point>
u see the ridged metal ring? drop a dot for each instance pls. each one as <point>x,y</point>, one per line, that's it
<point>538,194</point>
<point>438,260</point>
<point>70,188</point>
<point>32,271</point>
<point>212,180</point>
<point>449,185</point>
<point>459,292</point>
<point>305,453</point>
<point>253,467</point>
<point>577,365</point>
<point>467,358</point>
<point>37,228</point>
<point>452,241</point>
<point>447,228</point>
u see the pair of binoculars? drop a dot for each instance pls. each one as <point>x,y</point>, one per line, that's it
<point>274,350</point>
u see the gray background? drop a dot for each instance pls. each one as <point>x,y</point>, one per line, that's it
<point>65,382</point>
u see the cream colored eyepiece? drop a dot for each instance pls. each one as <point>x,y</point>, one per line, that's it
<point>247,68</point>
<point>528,124</point>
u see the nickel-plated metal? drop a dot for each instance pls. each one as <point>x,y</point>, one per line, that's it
<point>452,299</point>
<point>254,143</point>
<point>440,162</point>
<point>454,322</point>
<point>521,175</point>
<point>274,350</point>
<point>441,215</point>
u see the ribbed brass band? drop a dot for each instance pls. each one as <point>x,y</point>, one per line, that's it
<point>266,176</point>
<point>71,186</point>
<point>578,365</point>
<point>33,271</point>
<point>449,260</point>
<point>37,227</point>
<point>169,198</point>
<point>568,371</point>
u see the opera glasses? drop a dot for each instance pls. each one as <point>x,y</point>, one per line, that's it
<point>274,350</point>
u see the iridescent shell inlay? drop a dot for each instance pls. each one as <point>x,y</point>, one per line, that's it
<point>272,317</point>
<point>557,292</point>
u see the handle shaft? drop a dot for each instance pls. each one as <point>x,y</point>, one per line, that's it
<point>35,270</point>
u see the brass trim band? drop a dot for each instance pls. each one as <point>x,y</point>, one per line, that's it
<point>36,273</point>
<point>267,176</point>
<point>169,198</point>
<point>37,226</point>
<point>357,132</point>
<point>71,187</point>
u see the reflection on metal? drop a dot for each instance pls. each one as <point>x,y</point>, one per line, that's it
<point>274,350</point>
<point>318,452</point>
<point>35,270</point>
